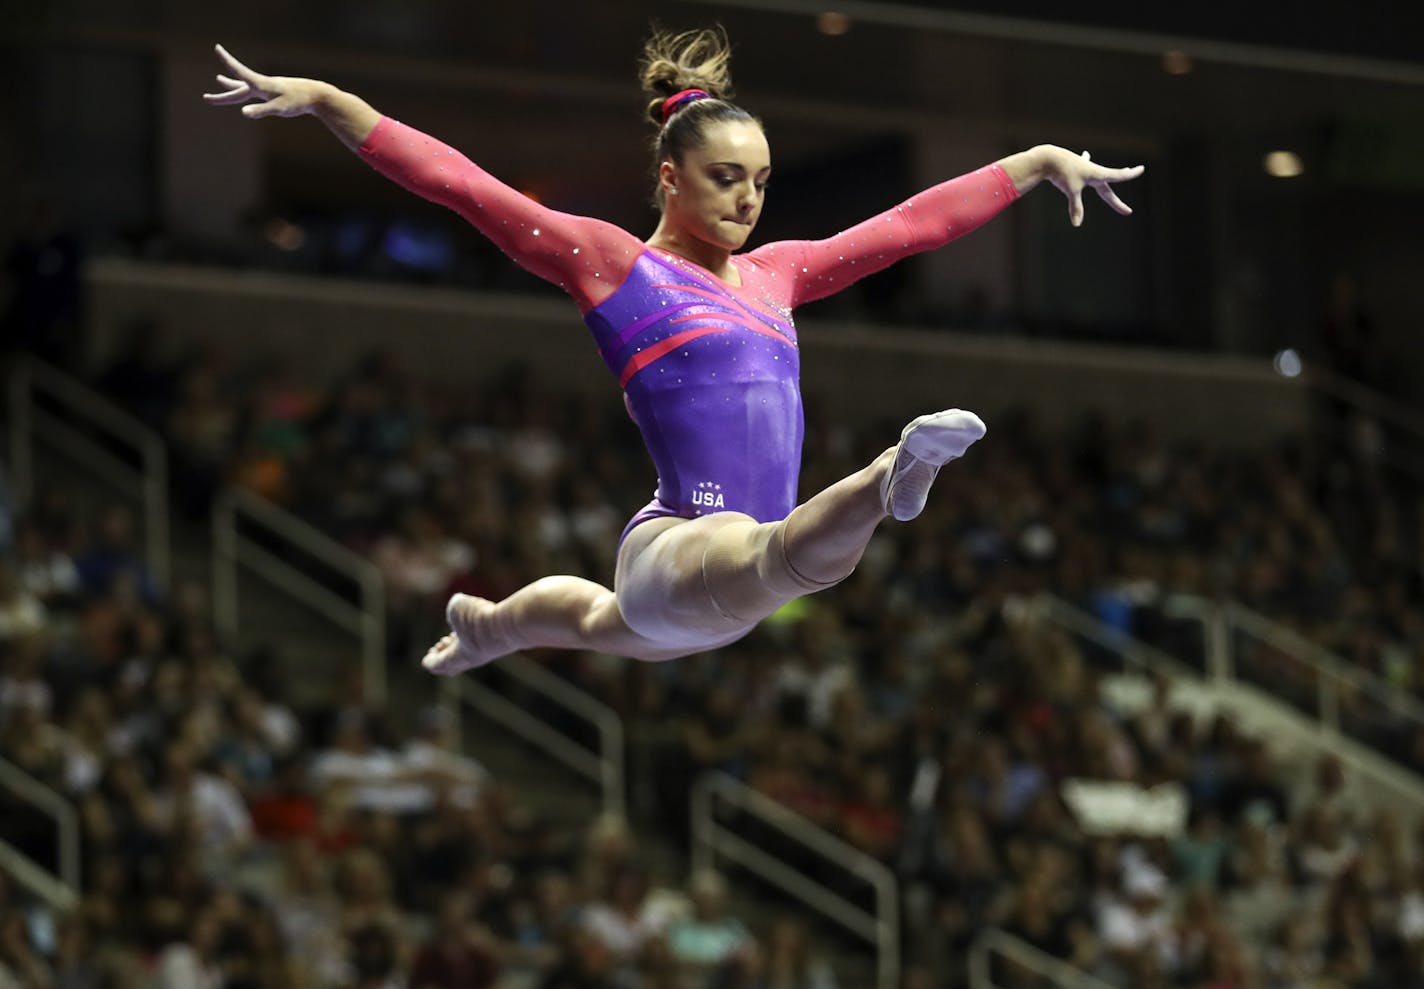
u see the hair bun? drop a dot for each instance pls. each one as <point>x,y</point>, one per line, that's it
<point>673,64</point>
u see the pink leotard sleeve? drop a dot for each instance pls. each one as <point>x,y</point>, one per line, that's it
<point>933,218</point>
<point>585,257</point>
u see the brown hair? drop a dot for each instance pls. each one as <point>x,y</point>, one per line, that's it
<point>671,63</point>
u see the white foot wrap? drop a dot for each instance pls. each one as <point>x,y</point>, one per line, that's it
<point>926,445</point>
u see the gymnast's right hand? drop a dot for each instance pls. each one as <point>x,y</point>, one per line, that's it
<point>280,96</point>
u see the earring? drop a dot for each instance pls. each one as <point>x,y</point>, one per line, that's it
<point>672,192</point>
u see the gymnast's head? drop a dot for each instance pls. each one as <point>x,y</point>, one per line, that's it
<point>711,157</point>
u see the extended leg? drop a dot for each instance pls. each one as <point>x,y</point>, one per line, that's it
<point>689,585</point>
<point>724,572</point>
<point>551,613</point>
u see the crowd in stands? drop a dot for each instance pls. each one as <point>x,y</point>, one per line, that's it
<point>920,711</point>
<point>229,840</point>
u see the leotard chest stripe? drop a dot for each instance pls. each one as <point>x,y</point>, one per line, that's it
<point>747,316</point>
<point>739,320</point>
<point>639,325</point>
<point>720,291</point>
<point>643,358</point>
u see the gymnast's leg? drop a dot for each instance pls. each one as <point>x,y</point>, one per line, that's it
<point>552,613</point>
<point>720,574</point>
<point>688,585</point>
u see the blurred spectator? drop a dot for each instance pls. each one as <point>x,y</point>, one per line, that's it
<point>45,570</point>
<point>192,962</point>
<point>626,918</point>
<point>21,613</point>
<point>458,954</point>
<point>588,964</point>
<point>374,953</point>
<point>307,913</point>
<point>433,752</point>
<point>208,804</point>
<point>376,778</point>
<point>1135,925</point>
<point>114,555</point>
<point>788,962</point>
<point>710,937</point>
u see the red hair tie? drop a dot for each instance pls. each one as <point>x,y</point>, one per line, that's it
<point>676,100</point>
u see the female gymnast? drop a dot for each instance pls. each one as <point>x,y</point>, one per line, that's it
<point>701,341</point>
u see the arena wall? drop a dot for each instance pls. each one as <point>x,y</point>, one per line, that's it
<point>457,337</point>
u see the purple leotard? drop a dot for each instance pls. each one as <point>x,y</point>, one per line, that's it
<point>710,370</point>
<point>712,384</point>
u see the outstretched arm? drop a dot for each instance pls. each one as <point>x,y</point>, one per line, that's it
<point>587,258</point>
<point>937,216</point>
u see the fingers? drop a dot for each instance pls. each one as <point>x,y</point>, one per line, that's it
<point>256,111</point>
<point>237,92</point>
<point>1109,195</point>
<point>234,66</point>
<point>1100,179</point>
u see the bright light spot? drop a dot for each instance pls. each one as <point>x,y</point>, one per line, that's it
<point>1176,63</point>
<point>833,23</point>
<point>284,235</point>
<point>1283,164</point>
<point>1288,364</point>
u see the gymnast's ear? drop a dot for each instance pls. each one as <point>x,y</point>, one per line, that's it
<point>667,177</point>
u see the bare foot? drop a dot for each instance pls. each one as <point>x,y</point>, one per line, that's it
<point>459,651</point>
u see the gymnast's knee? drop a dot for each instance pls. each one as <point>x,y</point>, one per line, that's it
<point>747,573</point>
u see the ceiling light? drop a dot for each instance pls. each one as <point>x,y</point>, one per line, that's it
<point>1177,63</point>
<point>833,23</point>
<point>1283,164</point>
<point>284,235</point>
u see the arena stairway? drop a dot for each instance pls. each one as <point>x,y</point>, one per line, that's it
<point>317,661</point>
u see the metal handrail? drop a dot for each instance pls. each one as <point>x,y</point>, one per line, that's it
<point>711,839</point>
<point>30,377</point>
<point>38,880</point>
<point>1133,651</point>
<point>66,818</point>
<point>1220,618</point>
<point>366,620</point>
<point>1366,399</point>
<point>604,767</point>
<point>1401,783</point>
<point>1059,972</point>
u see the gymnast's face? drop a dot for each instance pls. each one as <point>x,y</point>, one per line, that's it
<point>715,194</point>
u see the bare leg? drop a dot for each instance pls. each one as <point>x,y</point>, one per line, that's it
<point>552,613</point>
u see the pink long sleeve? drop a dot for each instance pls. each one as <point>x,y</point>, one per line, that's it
<point>588,258</point>
<point>931,219</point>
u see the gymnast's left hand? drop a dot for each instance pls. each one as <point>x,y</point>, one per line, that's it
<point>1070,174</point>
<point>279,96</point>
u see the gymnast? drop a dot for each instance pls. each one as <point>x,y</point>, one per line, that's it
<point>702,343</point>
